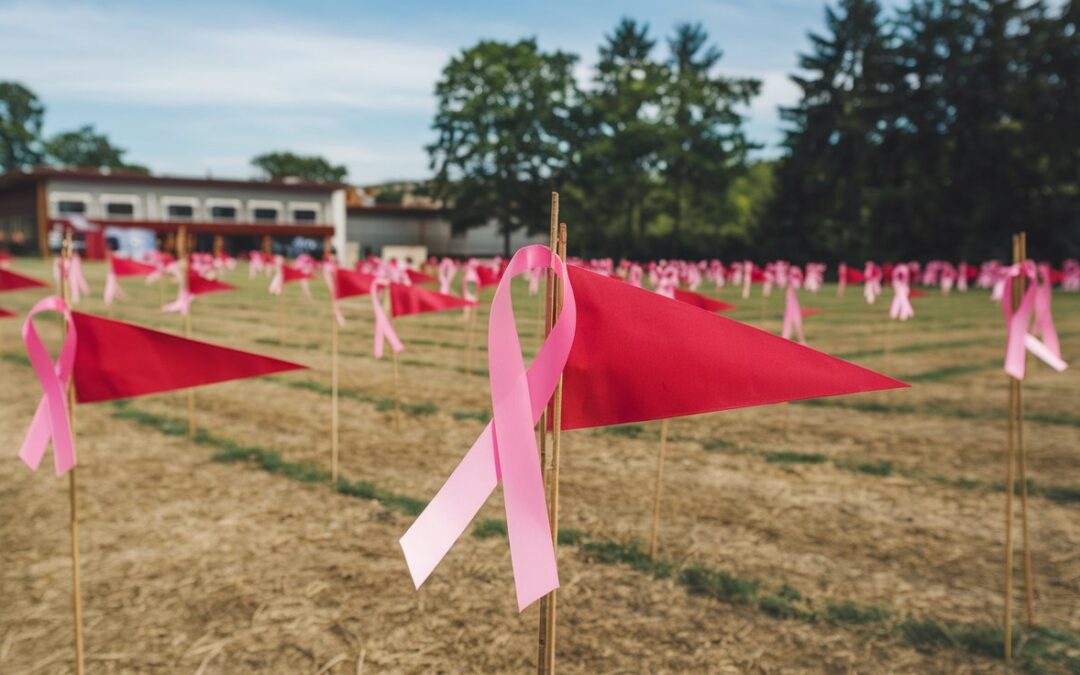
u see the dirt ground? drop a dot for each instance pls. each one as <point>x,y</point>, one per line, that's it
<point>888,502</point>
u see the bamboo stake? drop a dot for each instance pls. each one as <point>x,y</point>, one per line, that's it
<point>1010,486</point>
<point>397,395</point>
<point>76,592</point>
<point>333,384</point>
<point>548,317</point>
<point>181,254</point>
<point>1029,583</point>
<point>659,487</point>
<point>553,477</point>
<point>281,315</point>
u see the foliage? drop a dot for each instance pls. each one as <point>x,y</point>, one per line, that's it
<point>21,115</point>
<point>84,147</point>
<point>282,164</point>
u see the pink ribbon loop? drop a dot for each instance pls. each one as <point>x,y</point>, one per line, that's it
<point>506,449</point>
<point>1019,340</point>
<point>384,330</point>
<point>51,421</point>
<point>901,304</point>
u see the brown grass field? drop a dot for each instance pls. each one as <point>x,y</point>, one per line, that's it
<point>864,534</point>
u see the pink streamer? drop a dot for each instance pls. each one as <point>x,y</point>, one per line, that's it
<point>384,329</point>
<point>506,449</point>
<point>792,310</point>
<point>112,287</point>
<point>901,303</point>
<point>51,421</point>
<point>1019,340</point>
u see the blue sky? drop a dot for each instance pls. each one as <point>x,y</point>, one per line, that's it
<point>200,87</point>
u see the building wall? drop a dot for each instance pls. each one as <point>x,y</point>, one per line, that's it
<point>374,230</point>
<point>18,218</point>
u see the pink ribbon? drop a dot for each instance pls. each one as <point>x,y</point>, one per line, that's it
<point>792,310</point>
<point>506,449</point>
<point>1019,340</point>
<point>384,330</point>
<point>112,287</point>
<point>182,303</point>
<point>901,303</point>
<point>277,283</point>
<point>1043,326</point>
<point>51,421</point>
<point>447,271</point>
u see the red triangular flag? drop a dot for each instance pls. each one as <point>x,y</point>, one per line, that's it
<point>13,281</point>
<point>810,311</point>
<point>200,285</point>
<point>405,300</point>
<point>638,356</point>
<point>115,360</point>
<point>125,267</point>
<point>289,273</point>
<point>917,293</point>
<point>702,302</point>
<point>7,313</point>
<point>487,276</point>
<point>420,277</point>
<point>348,283</point>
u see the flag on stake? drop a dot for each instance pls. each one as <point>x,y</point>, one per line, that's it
<point>348,283</point>
<point>7,313</point>
<point>13,281</point>
<point>405,300</point>
<point>702,301</point>
<point>419,277</point>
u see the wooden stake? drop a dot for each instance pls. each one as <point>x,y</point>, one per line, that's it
<point>397,395</point>
<point>181,254</point>
<point>1010,483</point>
<point>549,302</point>
<point>333,386</point>
<point>76,592</point>
<point>1029,583</point>
<point>659,487</point>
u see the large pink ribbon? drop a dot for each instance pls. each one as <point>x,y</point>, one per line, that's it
<point>792,310</point>
<point>901,303</point>
<point>51,421</point>
<point>506,449</point>
<point>1019,340</point>
<point>384,330</point>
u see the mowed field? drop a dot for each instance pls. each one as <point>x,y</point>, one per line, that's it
<point>858,534</point>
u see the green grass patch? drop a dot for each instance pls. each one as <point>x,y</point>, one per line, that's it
<point>568,536</point>
<point>701,580</point>
<point>478,415</point>
<point>17,359</point>
<point>627,430</point>
<point>786,603</point>
<point>855,613</point>
<point>291,345</point>
<point>869,468</point>
<point>488,528</point>
<point>948,372</point>
<point>610,552</point>
<point>788,457</point>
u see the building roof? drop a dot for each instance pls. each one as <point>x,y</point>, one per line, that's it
<point>121,175</point>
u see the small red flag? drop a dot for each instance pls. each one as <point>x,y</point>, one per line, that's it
<point>638,356</point>
<point>125,267</point>
<point>7,313</point>
<point>200,285</point>
<point>405,300</point>
<point>487,276</point>
<point>115,360</point>
<point>13,281</point>
<point>289,273</point>
<point>702,301</point>
<point>348,283</point>
<point>420,277</point>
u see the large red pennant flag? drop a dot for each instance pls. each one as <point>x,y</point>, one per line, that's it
<point>405,300</point>
<point>348,283</point>
<point>697,362</point>
<point>115,360</point>
<point>702,301</point>
<point>13,281</point>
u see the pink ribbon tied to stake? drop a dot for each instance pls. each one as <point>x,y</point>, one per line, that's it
<point>51,421</point>
<point>506,449</point>
<point>901,303</point>
<point>792,310</point>
<point>1019,338</point>
<point>384,330</point>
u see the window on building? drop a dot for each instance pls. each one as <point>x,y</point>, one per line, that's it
<point>70,206</point>
<point>265,214</point>
<point>304,215</point>
<point>120,209</point>
<point>180,211</point>
<point>223,212</point>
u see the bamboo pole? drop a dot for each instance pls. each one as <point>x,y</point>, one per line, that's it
<point>1010,483</point>
<point>76,592</point>
<point>182,256</point>
<point>659,487</point>
<point>549,302</point>
<point>281,315</point>
<point>397,394</point>
<point>333,381</point>
<point>1029,583</point>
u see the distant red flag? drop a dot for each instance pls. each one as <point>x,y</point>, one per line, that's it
<point>697,362</point>
<point>855,276</point>
<point>348,283</point>
<point>13,281</point>
<point>290,273</point>
<point>125,267</point>
<point>200,285</point>
<point>917,293</point>
<point>487,276</point>
<point>405,300</point>
<point>7,313</point>
<point>810,311</point>
<point>702,301</point>
<point>420,277</point>
<point>115,360</point>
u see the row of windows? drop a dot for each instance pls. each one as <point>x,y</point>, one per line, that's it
<point>188,208</point>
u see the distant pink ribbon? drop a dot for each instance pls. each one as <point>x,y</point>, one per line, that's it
<point>181,304</point>
<point>51,421</point>
<point>384,330</point>
<point>792,310</point>
<point>447,271</point>
<point>901,303</point>
<point>1019,340</point>
<point>277,283</point>
<point>72,272</point>
<point>112,287</point>
<point>506,449</point>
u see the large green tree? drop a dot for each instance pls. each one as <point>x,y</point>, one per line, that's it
<point>505,133</point>
<point>85,147</point>
<point>21,115</point>
<point>281,165</point>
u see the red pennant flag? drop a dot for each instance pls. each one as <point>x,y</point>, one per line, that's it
<point>7,313</point>
<point>289,273</point>
<point>487,276</point>
<point>702,301</point>
<point>917,293</point>
<point>697,362</point>
<point>855,276</point>
<point>200,285</point>
<point>115,360</point>
<point>810,311</point>
<point>125,267</point>
<point>13,281</point>
<point>405,300</point>
<point>348,283</point>
<point>420,277</point>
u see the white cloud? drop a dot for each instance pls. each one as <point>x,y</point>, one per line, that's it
<point>122,54</point>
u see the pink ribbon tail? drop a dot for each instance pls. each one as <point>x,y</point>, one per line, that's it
<point>384,329</point>
<point>51,421</point>
<point>112,288</point>
<point>792,316</point>
<point>506,450</point>
<point>182,303</point>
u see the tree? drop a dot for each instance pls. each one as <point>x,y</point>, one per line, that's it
<point>86,148</point>
<point>21,116</point>
<point>281,165</point>
<point>505,133</point>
